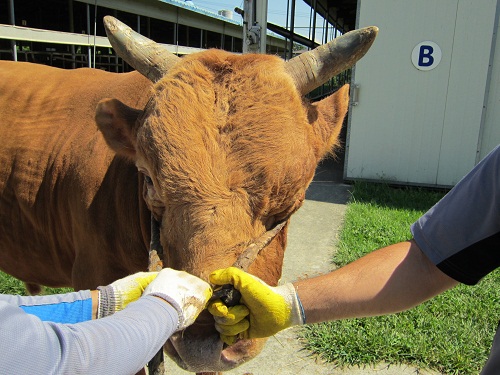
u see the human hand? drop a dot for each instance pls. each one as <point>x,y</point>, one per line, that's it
<point>265,310</point>
<point>186,293</point>
<point>118,295</point>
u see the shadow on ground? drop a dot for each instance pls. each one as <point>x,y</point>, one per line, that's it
<point>328,185</point>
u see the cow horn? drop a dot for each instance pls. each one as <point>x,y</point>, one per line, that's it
<point>149,58</point>
<point>313,68</point>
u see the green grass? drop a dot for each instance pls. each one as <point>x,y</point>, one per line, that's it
<point>11,285</point>
<point>452,333</point>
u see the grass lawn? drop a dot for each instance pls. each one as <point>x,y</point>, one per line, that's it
<point>10,285</point>
<point>452,333</point>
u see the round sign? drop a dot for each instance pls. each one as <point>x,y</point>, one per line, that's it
<point>426,55</point>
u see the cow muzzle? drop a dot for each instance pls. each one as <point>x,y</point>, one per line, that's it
<point>199,348</point>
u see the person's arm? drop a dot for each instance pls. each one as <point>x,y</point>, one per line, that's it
<point>71,307</point>
<point>76,307</point>
<point>119,344</point>
<point>388,280</point>
<point>94,294</point>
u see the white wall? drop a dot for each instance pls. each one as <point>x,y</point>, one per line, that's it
<point>413,126</point>
<point>490,136</point>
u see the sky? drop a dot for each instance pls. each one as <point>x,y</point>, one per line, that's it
<point>276,12</point>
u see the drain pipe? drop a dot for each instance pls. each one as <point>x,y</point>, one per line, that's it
<point>12,20</point>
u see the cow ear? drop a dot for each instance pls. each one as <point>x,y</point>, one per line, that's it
<point>327,117</point>
<point>118,124</point>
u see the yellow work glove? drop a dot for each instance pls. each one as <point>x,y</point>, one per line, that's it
<point>118,295</point>
<point>265,310</point>
<point>186,293</point>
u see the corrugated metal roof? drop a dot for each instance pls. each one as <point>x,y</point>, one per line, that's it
<point>189,5</point>
<point>341,13</point>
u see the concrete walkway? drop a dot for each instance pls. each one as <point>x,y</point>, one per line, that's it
<point>312,238</point>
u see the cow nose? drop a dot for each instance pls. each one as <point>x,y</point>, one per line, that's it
<point>205,318</point>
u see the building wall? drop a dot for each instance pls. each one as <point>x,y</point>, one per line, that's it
<point>490,134</point>
<point>423,127</point>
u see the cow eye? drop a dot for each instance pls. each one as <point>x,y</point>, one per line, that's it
<point>148,179</point>
<point>284,214</point>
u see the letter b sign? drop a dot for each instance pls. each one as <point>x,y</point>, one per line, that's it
<point>426,55</point>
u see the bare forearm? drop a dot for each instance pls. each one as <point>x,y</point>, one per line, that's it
<point>95,302</point>
<point>388,280</point>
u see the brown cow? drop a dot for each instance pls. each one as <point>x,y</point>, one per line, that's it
<point>224,149</point>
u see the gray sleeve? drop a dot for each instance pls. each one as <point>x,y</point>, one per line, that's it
<point>461,233</point>
<point>119,344</point>
<point>45,300</point>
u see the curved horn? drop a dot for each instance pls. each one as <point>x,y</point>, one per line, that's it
<point>149,58</point>
<point>311,69</point>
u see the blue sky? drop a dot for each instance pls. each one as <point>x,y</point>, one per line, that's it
<point>276,11</point>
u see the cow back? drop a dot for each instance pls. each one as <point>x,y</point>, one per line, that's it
<point>64,195</point>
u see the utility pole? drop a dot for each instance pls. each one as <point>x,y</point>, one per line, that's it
<point>254,25</point>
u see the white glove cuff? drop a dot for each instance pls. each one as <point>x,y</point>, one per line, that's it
<point>108,301</point>
<point>174,304</point>
<point>297,315</point>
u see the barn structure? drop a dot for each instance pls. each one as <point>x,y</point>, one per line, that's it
<point>70,33</point>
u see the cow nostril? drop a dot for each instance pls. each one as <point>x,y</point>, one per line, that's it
<point>205,318</point>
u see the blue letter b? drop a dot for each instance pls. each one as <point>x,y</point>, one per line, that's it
<point>425,57</point>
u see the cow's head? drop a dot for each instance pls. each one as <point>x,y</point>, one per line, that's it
<point>227,145</point>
